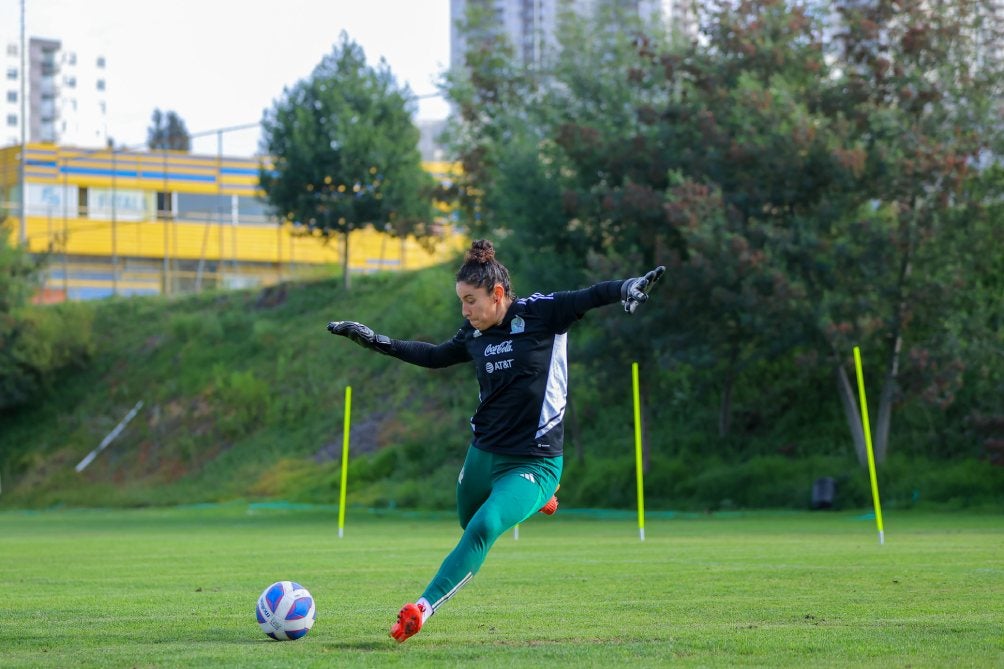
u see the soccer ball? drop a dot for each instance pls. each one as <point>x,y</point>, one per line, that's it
<point>285,611</point>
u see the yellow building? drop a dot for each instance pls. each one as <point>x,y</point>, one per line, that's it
<point>138,222</point>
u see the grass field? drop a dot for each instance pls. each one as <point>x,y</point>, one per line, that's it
<point>177,588</point>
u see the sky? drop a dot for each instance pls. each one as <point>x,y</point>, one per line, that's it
<point>221,63</point>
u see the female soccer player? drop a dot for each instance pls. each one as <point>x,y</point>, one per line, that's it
<point>514,461</point>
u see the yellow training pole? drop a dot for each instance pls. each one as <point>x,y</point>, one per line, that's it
<point>868,444</point>
<point>345,462</point>
<point>637,451</point>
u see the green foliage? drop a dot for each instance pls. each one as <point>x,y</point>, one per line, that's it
<point>45,342</point>
<point>18,272</point>
<point>244,399</point>
<point>809,195</point>
<point>167,131</point>
<point>345,150</point>
<point>37,344</point>
<point>693,482</point>
<point>196,328</point>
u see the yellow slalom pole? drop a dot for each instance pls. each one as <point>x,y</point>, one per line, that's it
<point>345,462</point>
<point>637,451</point>
<point>868,445</point>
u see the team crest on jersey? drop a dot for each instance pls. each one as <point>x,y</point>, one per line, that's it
<point>518,325</point>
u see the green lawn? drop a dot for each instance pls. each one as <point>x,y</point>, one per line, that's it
<point>177,588</point>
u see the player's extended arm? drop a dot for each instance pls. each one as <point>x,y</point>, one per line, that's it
<point>416,352</point>
<point>362,335</point>
<point>630,292</point>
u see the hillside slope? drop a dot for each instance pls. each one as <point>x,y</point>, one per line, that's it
<point>243,398</point>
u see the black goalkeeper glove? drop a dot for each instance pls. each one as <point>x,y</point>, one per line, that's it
<point>362,335</point>
<point>635,291</point>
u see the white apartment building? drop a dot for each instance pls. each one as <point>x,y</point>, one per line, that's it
<point>531,24</point>
<point>66,94</point>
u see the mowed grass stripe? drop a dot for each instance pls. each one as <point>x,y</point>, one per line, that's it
<point>177,587</point>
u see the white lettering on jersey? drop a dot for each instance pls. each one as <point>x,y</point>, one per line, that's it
<point>498,349</point>
<point>498,364</point>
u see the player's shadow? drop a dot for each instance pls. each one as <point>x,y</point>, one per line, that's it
<point>358,645</point>
<point>376,644</point>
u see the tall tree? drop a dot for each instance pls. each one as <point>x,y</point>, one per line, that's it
<point>918,98</point>
<point>167,131</point>
<point>807,181</point>
<point>345,152</point>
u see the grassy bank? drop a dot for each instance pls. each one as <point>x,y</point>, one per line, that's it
<point>243,399</point>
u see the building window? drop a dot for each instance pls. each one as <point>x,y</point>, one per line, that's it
<point>12,73</point>
<point>11,49</point>
<point>163,205</point>
<point>71,58</point>
<point>101,84</point>
<point>11,96</point>
<point>71,82</point>
<point>101,61</point>
<point>82,202</point>
<point>11,120</point>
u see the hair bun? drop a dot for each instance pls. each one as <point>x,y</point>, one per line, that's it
<point>481,251</point>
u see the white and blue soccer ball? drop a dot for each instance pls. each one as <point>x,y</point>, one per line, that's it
<point>285,611</point>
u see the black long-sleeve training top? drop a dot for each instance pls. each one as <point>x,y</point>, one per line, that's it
<point>521,366</point>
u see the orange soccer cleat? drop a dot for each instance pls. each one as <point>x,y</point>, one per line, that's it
<point>409,622</point>
<point>552,504</point>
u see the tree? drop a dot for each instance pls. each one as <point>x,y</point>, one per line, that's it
<point>167,131</point>
<point>35,342</point>
<point>807,186</point>
<point>345,152</point>
<point>841,169</point>
<point>918,97</point>
<point>18,273</point>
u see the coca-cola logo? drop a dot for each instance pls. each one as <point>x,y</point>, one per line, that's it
<point>498,349</point>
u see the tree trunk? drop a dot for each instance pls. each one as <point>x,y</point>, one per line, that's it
<point>881,442</point>
<point>725,408</point>
<point>848,400</point>
<point>890,383</point>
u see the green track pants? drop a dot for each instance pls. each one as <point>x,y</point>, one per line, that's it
<point>494,493</point>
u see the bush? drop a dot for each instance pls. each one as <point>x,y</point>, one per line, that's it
<point>196,326</point>
<point>244,399</point>
<point>39,343</point>
<point>715,483</point>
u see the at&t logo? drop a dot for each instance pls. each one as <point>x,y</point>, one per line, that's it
<point>498,364</point>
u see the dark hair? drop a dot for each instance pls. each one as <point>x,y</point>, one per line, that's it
<point>482,270</point>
